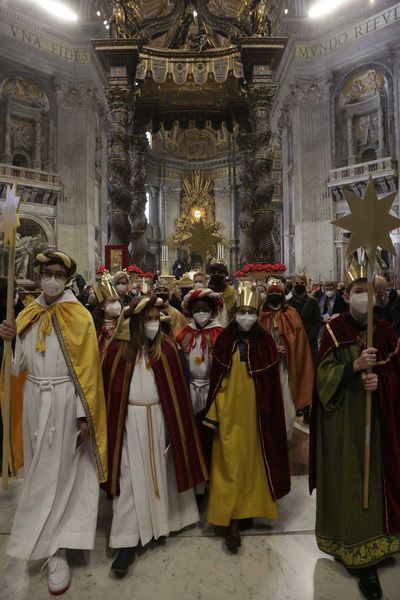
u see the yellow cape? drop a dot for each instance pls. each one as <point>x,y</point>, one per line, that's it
<point>76,334</point>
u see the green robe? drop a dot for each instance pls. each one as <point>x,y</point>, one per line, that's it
<point>354,535</point>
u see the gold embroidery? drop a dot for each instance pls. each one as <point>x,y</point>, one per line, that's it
<point>81,395</point>
<point>363,554</point>
<point>329,329</point>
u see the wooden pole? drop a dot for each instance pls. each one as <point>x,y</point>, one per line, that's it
<point>368,398</point>
<point>7,364</point>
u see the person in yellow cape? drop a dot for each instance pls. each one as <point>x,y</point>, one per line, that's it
<point>64,423</point>
<point>249,463</point>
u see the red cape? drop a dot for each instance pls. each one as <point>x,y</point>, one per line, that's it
<point>263,366</point>
<point>175,400</point>
<point>298,353</point>
<point>386,341</point>
<point>186,337</point>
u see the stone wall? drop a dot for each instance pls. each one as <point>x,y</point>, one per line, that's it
<point>317,132</point>
<point>72,132</point>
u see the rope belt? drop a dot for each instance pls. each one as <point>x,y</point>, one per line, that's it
<point>46,402</point>
<point>151,443</point>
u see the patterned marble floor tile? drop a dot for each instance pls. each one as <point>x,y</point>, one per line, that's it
<point>280,567</point>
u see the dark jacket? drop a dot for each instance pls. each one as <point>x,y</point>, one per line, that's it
<point>308,309</point>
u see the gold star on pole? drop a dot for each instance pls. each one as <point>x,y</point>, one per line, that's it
<point>10,219</point>
<point>369,222</point>
<point>202,238</point>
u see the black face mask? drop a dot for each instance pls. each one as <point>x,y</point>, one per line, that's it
<point>217,279</point>
<point>164,296</point>
<point>274,299</point>
<point>300,288</point>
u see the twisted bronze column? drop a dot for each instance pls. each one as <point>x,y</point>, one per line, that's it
<point>137,155</point>
<point>261,98</point>
<point>121,104</point>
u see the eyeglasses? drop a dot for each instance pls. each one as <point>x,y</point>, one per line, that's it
<point>58,275</point>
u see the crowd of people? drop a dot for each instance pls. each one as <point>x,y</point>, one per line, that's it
<point>167,396</point>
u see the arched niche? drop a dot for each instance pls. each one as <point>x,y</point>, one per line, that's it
<point>25,123</point>
<point>362,100</point>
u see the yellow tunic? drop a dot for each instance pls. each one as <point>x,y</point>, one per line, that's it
<point>238,483</point>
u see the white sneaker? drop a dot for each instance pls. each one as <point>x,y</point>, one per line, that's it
<point>58,574</point>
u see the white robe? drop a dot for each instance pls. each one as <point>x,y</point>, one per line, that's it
<point>149,505</point>
<point>59,500</point>
<point>288,404</point>
<point>199,371</point>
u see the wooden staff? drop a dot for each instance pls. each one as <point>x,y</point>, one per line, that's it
<point>7,364</point>
<point>368,398</point>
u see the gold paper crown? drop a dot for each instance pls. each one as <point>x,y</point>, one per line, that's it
<point>166,281</point>
<point>247,296</point>
<point>355,271</point>
<point>104,290</point>
<point>185,281</point>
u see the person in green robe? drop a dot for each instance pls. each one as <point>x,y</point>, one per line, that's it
<point>359,538</point>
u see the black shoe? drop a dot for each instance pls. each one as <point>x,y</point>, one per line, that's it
<point>369,583</point>
<point>125,558</point>
<point>245,524</point>
<point>232,537</point>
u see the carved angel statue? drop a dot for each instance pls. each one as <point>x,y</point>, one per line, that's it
<point>262,24</point>
<point>244,10</point>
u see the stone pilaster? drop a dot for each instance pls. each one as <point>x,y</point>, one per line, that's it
<point>307,203</point>
<point>37,162</point>
<point>7,156</point>
<point>77,106</point>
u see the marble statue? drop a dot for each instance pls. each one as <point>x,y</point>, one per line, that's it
<point>24,249</point>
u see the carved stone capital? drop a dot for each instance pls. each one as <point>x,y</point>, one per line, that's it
<point>302,91</point>
<point>71,94</point>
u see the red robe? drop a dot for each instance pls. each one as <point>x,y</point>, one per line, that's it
<point>346,332</point>
<point>263,366</point>
<point>175,400</point>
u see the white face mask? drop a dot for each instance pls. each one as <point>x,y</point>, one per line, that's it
<point>151,329</point>
<point>113,309</point>
<point>359,304</point>
<point>329,293</point>
<point>198,285</point>
<point>202,318</point>
<point>121,288</point>
<point>52,287</point>
<point>246,321</point>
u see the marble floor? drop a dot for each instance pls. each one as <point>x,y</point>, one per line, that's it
<point>278,560</point>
